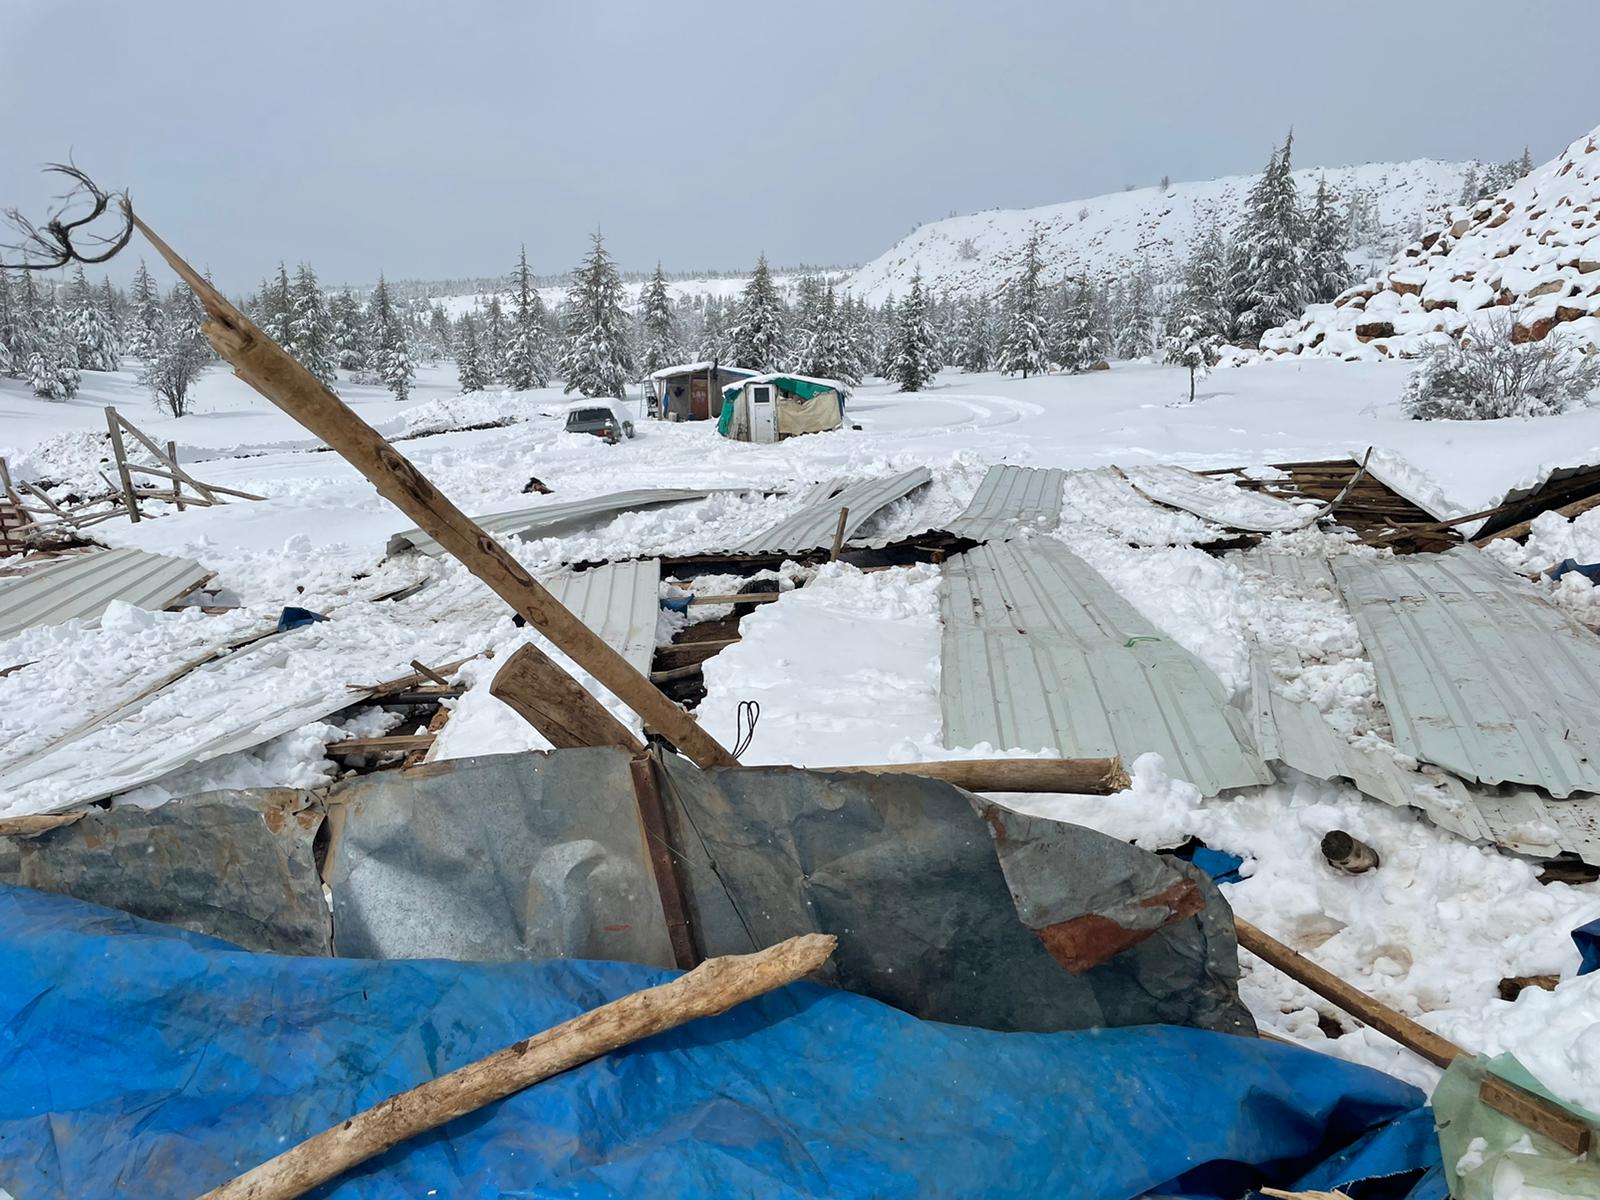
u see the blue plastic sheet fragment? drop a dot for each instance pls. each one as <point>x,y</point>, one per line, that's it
<point>1587,939</point>
<point>140,1060</point>
<point>297,618</point>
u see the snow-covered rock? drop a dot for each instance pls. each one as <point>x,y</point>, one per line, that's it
<point>1532,251</point>
<point>978,254</point>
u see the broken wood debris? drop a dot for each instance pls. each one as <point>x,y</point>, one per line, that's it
<point>1076,776</point>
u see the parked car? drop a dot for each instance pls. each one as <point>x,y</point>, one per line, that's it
<point>601,418</point>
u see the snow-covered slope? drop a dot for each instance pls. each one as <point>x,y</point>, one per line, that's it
<point>1533,250</point>
<point>979,253</point>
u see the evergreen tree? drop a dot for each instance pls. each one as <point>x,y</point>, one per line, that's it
<point>1272,285</point>
<point>974,339</point>
<point>276,309</point>
<point>1136,315</point>
<point>1023,347</point>
<point>1327,268</point>
<point>821,348</point>
<point>527,363</point>
<point>145,319</point>
<point>13,338</point>
<point>916,357</point>
<point>757,337</point>
<point>178,353</point>
<point>1469,186</point>
<point>494,338</point>
<point>93,341</point>
<point>1204,297</point>
<point>349,331</point>
<point>597,361</point>
<point>311,332</point>
<point>887,339</point>
<point>1080,343</point>
<point>855,346</point>
<point>391,346</point>
<point>53,360</point>
<point>1188,342</point>
<point>469,356</point>
<point>659,345</point>
<point>713,344</point>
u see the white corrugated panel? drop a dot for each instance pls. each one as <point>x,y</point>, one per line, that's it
<point>814,526</point>
<point>550,520</point>
<point>83,585</point>
<point>1217,500</point>
<point>1010,500</point>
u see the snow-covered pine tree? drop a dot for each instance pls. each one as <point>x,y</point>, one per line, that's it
<point>311,333</point>
<point>658,330</point>
<point>1081,345</point>
<point>391,346</point>
<point>974,337</point>
<point>93,340</point>
<point>349,331</point>
<point>713,343</point>
<point>1469,186</point>
<point>855,347</point>
<point>441,334</point>
<point>13,338</point>
<point>916,359</point>
<point>804,317</point>
<point>1024,344</point>
<point>145,318</point>
<point>1205,296</point>
<point>495,332</point>
<point>886,339</point>
<point>597,361</point>
<point>1272,238</point>
<point>53,361</point>
<point>1189,341</point>
<point>469,356</point>
<point>757,337</point>
<point>277,309</point>
<point>178,352</point>
<point>1131,338</point>
<point>527,362</point>
<point>820,330</point>
<point>1327,268</point>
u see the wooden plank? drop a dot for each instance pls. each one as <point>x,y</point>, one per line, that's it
<point>1078,776</point>
<point>120,452</point>
<point>403,743</point>
<point>663,862</point>
<point>265,366</point>
<point>1533,1112</point>
<point>752,598</point>
<point>557,705</point>
<point>28,826</point>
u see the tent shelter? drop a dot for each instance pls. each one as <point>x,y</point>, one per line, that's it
<point>769,408</point>
<point>691,391</point>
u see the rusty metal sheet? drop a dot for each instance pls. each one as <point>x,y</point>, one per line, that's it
<point>813,527</point>
<point>1011,500</point>
<point>1217,500</point>
<point>1479,673</point>
<point>1040,652</point>
<point>561,517</point>
<point>83,585</point>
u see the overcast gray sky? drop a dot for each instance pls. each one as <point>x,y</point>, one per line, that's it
<point>429,139</point>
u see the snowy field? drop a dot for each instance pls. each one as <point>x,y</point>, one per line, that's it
<point>847,667</point>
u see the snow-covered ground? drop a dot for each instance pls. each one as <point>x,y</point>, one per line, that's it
<point>846,668</point>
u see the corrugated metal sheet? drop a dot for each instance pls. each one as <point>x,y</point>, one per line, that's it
<point>1558,487</point>
<point>264,690</point>
<point>619,601</point>
<point>1040,651</point>
<point>83,585</point>
<point>813,527</point>
<point>1217,500</point>
<point>1103,498</point>
<point>550,520</point>
<point>1479,673</point>
<point>1009,500</point>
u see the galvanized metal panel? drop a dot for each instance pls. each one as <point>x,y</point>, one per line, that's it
<point>1010,500</point>
<point>550,520</point>
<point>84,585</point>
<point>1217,500</point>
<point>1479,673</point>
<point>814,525</point>
<point>1102,497</point>
<point>1039,651</point>
<point>619,601</point>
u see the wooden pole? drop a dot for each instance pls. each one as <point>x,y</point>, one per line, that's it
<point>121,454</point>
<point>838,535</point>
<point>1082,776</point>
<point>1530,1110</point>
<point>171,459</point>
<point>663,862</point>
<point>264,365</point>
<point>535,687</point>
<point>177,485</point>
<point>713,987</point>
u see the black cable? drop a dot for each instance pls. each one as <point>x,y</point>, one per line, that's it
<point>748,711</point>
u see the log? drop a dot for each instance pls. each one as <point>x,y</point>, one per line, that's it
<point>539,691</point>
<point>1081,776</point>
<point>838,535</point>
<point>1347,853</point>
<point>713,987</point>
<point>265,366</point>
<point>1555,1122</point>
<point>27,826</point>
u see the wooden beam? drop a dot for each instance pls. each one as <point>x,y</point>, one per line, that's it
<point>838,535</point>
<point>1079,776</point>
<point>1521,528</point>
<point>402,743</point>
<point>27,826</point>
<point>430,673</point>
<point>539,691</point>
<point>663,861</point>
<point>120,453</point>
<point>1505,1098</point>
<point>752,598</point>
<point>713,987</point>
<point>265,366</point>
<point>177,487</point>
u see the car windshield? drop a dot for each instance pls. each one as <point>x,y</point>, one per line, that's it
<point>588,416</point>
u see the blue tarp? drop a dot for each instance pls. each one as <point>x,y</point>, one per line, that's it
<point>1587,939</point>
<point>141,1060</point>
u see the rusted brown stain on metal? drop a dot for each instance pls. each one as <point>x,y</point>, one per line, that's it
<point>1083,943</point>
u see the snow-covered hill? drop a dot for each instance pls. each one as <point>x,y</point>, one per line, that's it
<point>979,253</point>
<point>1532,250</point>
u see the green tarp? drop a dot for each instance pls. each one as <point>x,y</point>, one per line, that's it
<point>795,386</point>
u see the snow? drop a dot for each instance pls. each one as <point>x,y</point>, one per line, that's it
<point>978,254</point>
<point>846,668</point>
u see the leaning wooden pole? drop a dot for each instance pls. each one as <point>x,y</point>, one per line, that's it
<point>713,987</point>
<point>268,368</point>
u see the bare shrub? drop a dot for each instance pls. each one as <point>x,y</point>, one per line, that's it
<point>1493,377</point>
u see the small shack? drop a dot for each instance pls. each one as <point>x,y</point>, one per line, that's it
<point>691,391</point>
<point>769,408</point>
